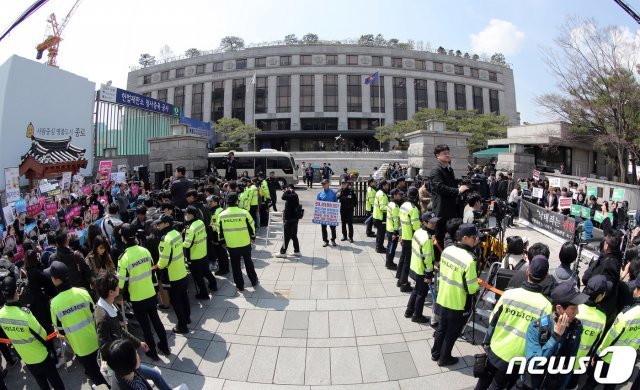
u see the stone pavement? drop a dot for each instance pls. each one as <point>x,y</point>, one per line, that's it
<point>330,319</point>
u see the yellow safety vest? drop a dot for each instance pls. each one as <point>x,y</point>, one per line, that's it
<point>18,324</point>
<point>72,310</point>
<point>421,253</point>
<point>519,308</point>
<point>409,220</point>
<point>233,227</point>
<point>136,267</point>
<point>380,203</point>
<point>196,240</point>
<point>593,322</point>
<point>172,256</point>
<point>264,188</point>
<point>370,198</point>
<point>624,331</point>
<point>244,199</point>
<point>253,195</point>
<point>393,217</point>
<point>458,278</point>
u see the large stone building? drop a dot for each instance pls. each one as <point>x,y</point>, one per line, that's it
<point>304,96</point>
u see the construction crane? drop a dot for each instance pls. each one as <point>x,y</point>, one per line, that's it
<point>52,42</point>
<point>628,10</point>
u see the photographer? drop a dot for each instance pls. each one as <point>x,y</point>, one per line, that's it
<point>231,171</point>
<point>444,189</point>
<point>473,207</point>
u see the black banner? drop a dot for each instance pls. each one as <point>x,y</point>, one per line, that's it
<point>561,225</point>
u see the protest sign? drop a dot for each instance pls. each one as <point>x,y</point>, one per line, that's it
<point>9,218</point>
<point>592,191</point>
<point>564,202</point>
<point>12,184</point>
<point>554,182</point>
<point>618,195</point>
<point>74,212</point>
<point>19,255</point>
<point>50,209</point>
<point>42,200</point>
<point>539,218</point>
<point>135,189</point>
<point>29,227</point>
<point>583,181</point>
<point>575,209</point>
<point>104,172</point>
<point>537,192</point>
<point>119,177</point>
<point>326,213</point>
<point>585,212</point>
<point>65,183</point>
<point>536,175</point>
<point>34,209</point>
<point>86,189</point>
<point>21,206</point>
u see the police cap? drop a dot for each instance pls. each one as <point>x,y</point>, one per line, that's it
<point>567,293</point>
<point>57,270</point>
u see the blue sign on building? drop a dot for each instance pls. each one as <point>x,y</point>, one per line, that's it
<point>131,99</point>
<point>197,127</point>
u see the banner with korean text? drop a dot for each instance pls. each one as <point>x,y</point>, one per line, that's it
<point>326,213</point>
<point>559,225</point>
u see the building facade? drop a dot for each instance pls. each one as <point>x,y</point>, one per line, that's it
<point>305,96</point>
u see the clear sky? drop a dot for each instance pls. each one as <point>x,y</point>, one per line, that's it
<point>104,38</point>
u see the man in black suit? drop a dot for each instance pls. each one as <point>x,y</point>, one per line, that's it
<point>231,172</point>
<point>445,191</point>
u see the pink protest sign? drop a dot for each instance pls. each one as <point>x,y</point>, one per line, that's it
<point>42,200</point>
<point>74,212</point>
<point>50,209</point>
<point>86,189</point>
<point>34,209</point>
<point>135,189</point>
<point>94,210</point>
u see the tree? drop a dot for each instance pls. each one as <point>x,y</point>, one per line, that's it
<point>310,39</point>
<point>367,40</point>
<point>147,59</point>
<point>441,50</point>
<point>597,91</point>
<point>166,53</point>
<point>235,132</point>
<point>393,42</point>
<point>482,127</point>
<point>193,52</point>
<point>290,39</point>
<point>458,53</point>
<point>396,131</point>
<point>498,58</point>
<point>380,41</point>
<point>475,57</point>
<point>231,43</point>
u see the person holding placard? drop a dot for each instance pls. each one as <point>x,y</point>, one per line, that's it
<point>327,195</point>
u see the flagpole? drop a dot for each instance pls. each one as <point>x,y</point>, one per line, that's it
<point>255,81</point>
<point>379,107</point>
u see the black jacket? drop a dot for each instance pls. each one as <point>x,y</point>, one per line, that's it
<point>231,170</point>
<point>444,190</point>
<point>502,187</point>
<point>179,189</point>
<point>79,271</point>
<point>347,198</point>
<point>291,203</point>
<point>609,265</point>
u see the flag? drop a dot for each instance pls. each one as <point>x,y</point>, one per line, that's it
<point>253,79</point>
<point>371,78</point>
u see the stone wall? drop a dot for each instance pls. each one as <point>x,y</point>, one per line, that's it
<point>187,150</point>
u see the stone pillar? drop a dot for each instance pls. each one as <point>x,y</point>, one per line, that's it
<point>178,148</point>
<point>249,101</point>
<point>206,103</point>
<point>388,100</point>
<point>366,95</point>
<point>188,99</point>
<point>342,102</point>
<point>411,97</point>
<point>295,102</point>
<point>272,84</point>
<point>170,94</point>
<point>431,93</point>
<point>318,88</point>
<point>469,91</point>
<point>154,94</point>
<point>501,102</point>
<point>451,96</point>
<point>228,96</point>
<point>516,161</point>
<point>422,143</point>
<point>485,100</point>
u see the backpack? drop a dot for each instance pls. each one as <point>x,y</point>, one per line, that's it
<point>299,212</point>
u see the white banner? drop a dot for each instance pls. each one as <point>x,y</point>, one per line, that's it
<point>8,215</point>
<point>326,213</point>
<point>537,192</point>
<point>12,184</point>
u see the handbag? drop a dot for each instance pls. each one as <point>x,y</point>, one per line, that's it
<point>479,365</point>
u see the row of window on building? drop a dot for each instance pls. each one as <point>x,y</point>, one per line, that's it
<point>261,62</point>
<point>330,96</point>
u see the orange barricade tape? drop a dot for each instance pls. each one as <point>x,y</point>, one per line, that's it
<point>5,341</point>
<point>52,335</point>
<point>489,287</point>
<point>49,337</point>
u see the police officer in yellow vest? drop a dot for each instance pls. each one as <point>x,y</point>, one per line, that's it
<point>28,338</point>
<point>254,200</point>
<point>409,217</point>
<point>458,282</point>
<point>509,321</point>
<point>195,242</point>
<point>237,231</point>
<point>244,196</point>
<point>625,331</point>
<point>72,315</point>
<point>368,206</point>
<point>421,270</point>
<point>265,200</point>
<point>171,259</point>
<point>136,276</point>
<point>221,254</point>
<point>593,320</point>
<point>380,214</point>
<point>393,226</point>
